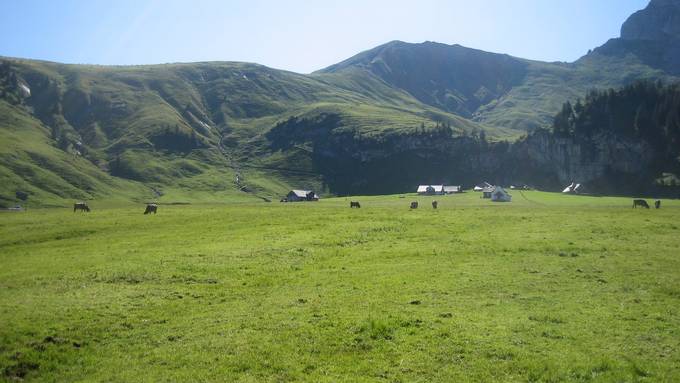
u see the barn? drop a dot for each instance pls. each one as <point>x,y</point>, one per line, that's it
<point>431,189</point>
<point>452,189</point>
<point>301,195</point>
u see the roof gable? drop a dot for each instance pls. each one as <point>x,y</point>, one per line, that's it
<point>301,193</point>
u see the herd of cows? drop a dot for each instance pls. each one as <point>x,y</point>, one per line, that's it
<point>414,204</point>
<point>82,206</point>
<point>153,208</point>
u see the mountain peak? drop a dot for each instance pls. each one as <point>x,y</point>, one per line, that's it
<point>660,20</point>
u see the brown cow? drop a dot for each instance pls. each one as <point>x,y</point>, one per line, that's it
<point>354,204</point>
<point>414,205</point>
<point>151,208</point>
<point>640,202</point>
<point>82,206</point>
<point>435,204</point>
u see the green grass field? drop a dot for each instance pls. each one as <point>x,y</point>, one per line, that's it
<point>547,288</point>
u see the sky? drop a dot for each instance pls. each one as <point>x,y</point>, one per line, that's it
<point>298,35</point>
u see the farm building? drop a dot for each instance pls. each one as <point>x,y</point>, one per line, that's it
<point>574,188</point>
<point>500,195</point>
<point>301,195</point>
<point>452,189</point>
<point>482,186</point>
<point>430,189</point>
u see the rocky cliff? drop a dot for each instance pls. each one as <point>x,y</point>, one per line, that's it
<point>650,36</point>
<point>599,161</point>
<point>350,163</point>
<point>659,21</point>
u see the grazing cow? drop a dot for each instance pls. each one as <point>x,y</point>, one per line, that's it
<point>82,206</point>
<point>435,204</point>
<point>640,202</point>
<point>414,205</point>
<point>151,208</point>
<point>354,204</point>
<point>657,203</point>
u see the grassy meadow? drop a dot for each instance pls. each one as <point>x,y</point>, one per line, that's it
<point>546,288</point>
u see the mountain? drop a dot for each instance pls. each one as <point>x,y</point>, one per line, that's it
<point>505,91</point>
<point>650,36</point>
<point>378,122</point>
<point>195,127</point>
<point>660,20</point>
<point>449,77</point>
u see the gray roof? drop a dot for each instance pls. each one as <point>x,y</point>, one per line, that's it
<point>301,193</point>
<point>423,188</point>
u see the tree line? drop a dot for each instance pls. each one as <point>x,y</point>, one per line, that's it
<point>644,110</point>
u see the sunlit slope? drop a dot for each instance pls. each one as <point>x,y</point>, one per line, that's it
<point>30,163</point>
<point>202,123</point>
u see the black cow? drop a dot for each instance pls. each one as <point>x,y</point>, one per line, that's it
<point>657,204</point>
<point>151,208</point>
<point>435,204</point>
<point>640,202</point>
<point>82,206</point>
<point>354,204</point>
<point>414,205</point>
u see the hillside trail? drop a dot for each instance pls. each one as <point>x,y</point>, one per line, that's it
<point>239,179</point>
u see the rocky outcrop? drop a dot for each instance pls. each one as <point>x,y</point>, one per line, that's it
<point>651,35</point>
<point>351,163</point>
<point>659,21</point>
<point>587,161</point>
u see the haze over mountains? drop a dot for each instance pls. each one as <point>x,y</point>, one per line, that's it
<point>378,122</point>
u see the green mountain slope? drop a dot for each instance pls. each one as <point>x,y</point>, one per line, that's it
<point>452,78</point>
<point>380,121</point>
<point>33,169</point>
<point>197,126</point>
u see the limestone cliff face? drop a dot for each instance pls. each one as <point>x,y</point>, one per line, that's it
<point>351,163</point>
<point>594,160</point>
<point>659,21</point>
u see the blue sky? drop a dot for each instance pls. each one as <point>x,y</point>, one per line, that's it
<point>297,35</point>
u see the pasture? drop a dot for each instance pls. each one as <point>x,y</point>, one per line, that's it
<point>547,288</point>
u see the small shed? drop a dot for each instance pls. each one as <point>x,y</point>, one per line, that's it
<point>301,195</point>
<point>486,192</point>
<point>430,189</point>
<point>500,195</point>
<point>452,189</point>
